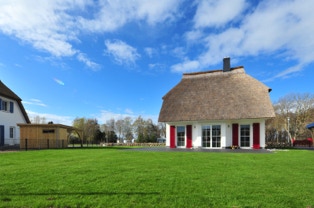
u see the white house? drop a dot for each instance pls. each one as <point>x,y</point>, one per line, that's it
<point>12,112</point>
<point>217,109</point>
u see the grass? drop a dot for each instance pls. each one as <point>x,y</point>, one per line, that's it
<point>111,177</point>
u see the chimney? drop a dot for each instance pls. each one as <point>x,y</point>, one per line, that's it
<point>226,66</point>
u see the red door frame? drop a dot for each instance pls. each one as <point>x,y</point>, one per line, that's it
<point>189,136</point>
<point>256,136</point>
<point>235,134</point>
<point>172,137</point>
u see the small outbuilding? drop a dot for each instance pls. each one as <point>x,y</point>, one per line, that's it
<point>45,136</point>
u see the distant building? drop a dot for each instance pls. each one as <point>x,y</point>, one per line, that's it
<point>161,140</point>
<point>12,112</point>
<point>217,109</point>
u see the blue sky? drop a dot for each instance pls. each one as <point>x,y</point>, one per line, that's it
<point>112,59</point>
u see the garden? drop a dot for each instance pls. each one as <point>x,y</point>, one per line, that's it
<point>120,177</point>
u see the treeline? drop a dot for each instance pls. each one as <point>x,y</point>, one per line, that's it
<point>121,130</point>
<point>293,113</point>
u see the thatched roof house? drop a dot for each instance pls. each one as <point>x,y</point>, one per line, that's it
<point>224,97</point>
<point>11,113</point>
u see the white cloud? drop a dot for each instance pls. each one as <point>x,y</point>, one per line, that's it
<point>57,119</point>
<point>121,52</point>
<point>112,15</point>
<point>194,35</point>
<point>186,66</point>
<point>286,73</point>
<point>83,58</point>
<point>34,101</point>
<point>106,115</point>
<point>129,111</point>
<point>213,13</point>
<point>45,25</point>
<point>53,26</point>
<point>265,30</point>
<point>150,52</point>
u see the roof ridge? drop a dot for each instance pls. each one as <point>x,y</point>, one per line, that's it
<point>233,70</point>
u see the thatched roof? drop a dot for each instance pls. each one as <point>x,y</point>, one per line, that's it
<point>6,92</point>
<point>217,95</point>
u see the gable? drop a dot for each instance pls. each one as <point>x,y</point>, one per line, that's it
<point>6,92</point>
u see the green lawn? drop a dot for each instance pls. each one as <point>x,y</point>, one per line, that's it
<point>111,177</point>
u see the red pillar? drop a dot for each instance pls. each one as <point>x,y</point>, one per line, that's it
<point>256,136</point>
<point>189,136</point>
<point>172,137</point>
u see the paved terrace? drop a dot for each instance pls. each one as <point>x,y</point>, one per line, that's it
<point>167,149</point>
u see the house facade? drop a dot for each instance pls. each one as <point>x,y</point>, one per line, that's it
<point>217,109</point>
<point>12,112</point>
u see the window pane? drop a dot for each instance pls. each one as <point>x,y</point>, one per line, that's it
<point>245,136</point>
<point>11,132</point>
<point>180,136</point>
<point>205,136</point>
<point>216,135</point>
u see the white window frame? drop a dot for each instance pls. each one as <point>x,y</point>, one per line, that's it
<point>5,105</point>
<point>177,139</point>
<point>12,132</point>
<point>211,135</point>
<point>250,135</point>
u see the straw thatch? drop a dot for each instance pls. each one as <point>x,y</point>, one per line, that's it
<point>8,93</point>
<point>216,95</point>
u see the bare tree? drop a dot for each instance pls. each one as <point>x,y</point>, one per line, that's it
<point>39,120</point>
<point>127,130</point>
<point>293,112</point>
<point>119,129</point>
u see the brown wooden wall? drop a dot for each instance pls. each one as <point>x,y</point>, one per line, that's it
<point>37,137</point>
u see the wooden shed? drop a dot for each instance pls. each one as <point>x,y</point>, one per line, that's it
<point>45,136</point>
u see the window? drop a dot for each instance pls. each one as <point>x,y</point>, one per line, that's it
<point>211,136</point>
<point>48,131</point>
<point>12,132</point>
<point>4,105</point>
<point>181,136</point>
<point>206,136</point>
<point>7,106</point>
<point>216,135</point>
<point>245,135</point>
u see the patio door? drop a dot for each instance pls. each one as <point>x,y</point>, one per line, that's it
<point>1,135</point>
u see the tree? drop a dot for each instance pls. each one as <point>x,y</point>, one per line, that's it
<point>88,126</point>
<point>39,120</point>
<point>127,130</point>
<point>119,128</point>
<point>162,130</point>
<point>139,129</point>
<point>293,112</point>
<point>99,136</point>
<point>112,137</point>
<point>91,127</point>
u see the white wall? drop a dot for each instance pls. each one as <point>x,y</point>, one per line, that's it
<point>8,120</point>
<point>226,131</point>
